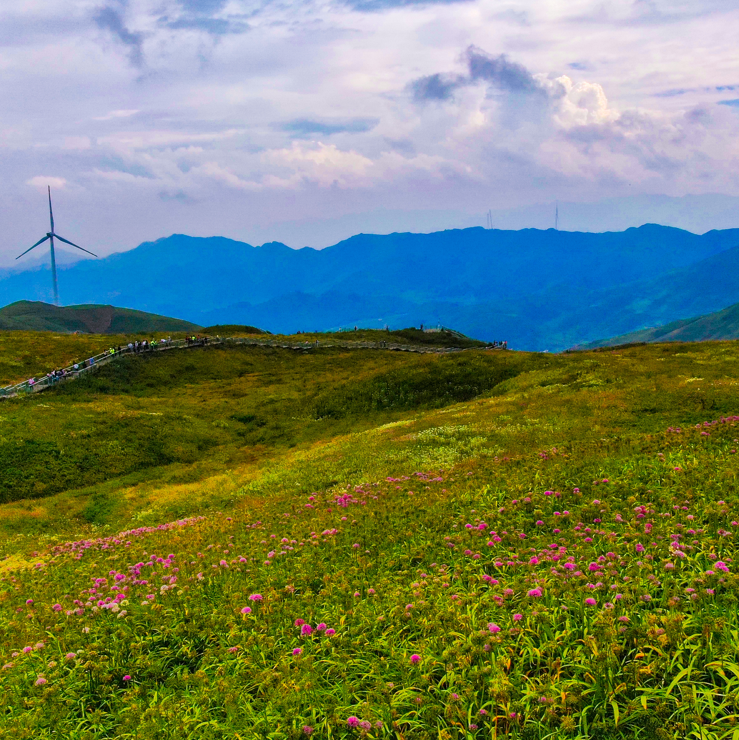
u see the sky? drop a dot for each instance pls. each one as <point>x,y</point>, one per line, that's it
<point>308,121</point>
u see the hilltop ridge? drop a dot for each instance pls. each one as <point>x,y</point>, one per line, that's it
<point>89,319</point>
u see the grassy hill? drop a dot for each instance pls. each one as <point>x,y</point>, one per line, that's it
<point>253,542</point>
<point>232,330</point>
<point>38,316</point>
<point>720,325</point>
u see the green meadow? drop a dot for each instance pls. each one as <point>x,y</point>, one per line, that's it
<point>254,542</point>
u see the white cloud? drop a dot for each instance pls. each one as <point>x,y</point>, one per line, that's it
<point>183,101</point>
<point>216,172</point>
<point>76,142</point>
<point>582,103</point>
<point>117,114</point>
<point>41,182</point>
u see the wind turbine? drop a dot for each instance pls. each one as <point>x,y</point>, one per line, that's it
<point>51,236</point>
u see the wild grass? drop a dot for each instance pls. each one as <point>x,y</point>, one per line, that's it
<point>220,406</point>
<point>552,555</point>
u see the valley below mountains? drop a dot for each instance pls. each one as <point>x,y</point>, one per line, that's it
<point>539,290</point>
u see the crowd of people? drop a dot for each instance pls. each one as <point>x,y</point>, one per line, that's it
<point>145,345</point>
<point>134,347</point>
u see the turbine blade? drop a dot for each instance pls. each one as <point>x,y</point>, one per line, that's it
<point>40,241</point>
<point>72,244</point>
<point>51,214</point>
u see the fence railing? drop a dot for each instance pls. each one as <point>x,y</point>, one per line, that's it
<point>76,370</point>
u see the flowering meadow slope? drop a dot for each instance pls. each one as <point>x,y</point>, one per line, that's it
<point>563,565</point>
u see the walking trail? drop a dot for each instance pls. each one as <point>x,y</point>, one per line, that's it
<point>73,372</point>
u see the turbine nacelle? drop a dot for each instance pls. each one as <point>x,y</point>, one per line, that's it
<point>50,235</point>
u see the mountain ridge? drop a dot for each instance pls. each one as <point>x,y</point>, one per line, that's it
<point>716,326</point>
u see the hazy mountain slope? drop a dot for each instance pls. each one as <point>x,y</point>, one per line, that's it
<point>37,316</point>
<point>705,287</point>
<point>719,325</point>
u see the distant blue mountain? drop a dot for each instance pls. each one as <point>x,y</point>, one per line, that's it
<point>536,289</point>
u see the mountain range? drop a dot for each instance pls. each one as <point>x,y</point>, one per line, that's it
<point>537,289</point>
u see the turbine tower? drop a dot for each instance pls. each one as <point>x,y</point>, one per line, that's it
<point>51,236</point>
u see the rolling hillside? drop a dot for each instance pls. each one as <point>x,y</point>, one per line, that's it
<point>91,319</point>
<point>252,542</point>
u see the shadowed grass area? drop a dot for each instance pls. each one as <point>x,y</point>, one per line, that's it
<point>230,404</point>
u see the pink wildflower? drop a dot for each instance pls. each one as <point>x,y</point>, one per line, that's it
<point>415,659</point>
